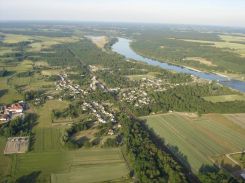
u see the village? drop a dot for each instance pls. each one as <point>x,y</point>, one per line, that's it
<point>97,109</point>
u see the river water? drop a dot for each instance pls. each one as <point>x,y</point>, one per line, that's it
<point>123,47</point>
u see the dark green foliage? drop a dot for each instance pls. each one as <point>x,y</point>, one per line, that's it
<point>212,174</point>
<point>30,178</point>
<point>3,92</point>
<point>32,94</point>
<point>20,126</point>
<point>73,111</point>
<point>150,163</point>
<point>69,133</point>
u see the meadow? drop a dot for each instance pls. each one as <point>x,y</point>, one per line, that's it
<point>197,140</point>
<point>72,166</point>
<point>225,98</point>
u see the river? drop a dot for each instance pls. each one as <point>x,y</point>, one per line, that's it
<point>122,46</point>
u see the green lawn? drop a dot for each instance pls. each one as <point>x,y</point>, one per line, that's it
<point>5,161</point>
<point>225,98</point>
<point>200,139</point>
<point>72,166</point>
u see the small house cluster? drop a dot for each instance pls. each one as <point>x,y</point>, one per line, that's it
<point>135,96</point>
<point>8,112</point>
<point>66,84</point>
<point>97,84</point>
<point>99,111</point>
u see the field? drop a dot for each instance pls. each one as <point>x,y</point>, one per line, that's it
<point>139,77</point>
<point>225,98</point>
<point>228,41</point>
<point>237,119</point>
<point>5,161</point>
<point>47,42</point>
<point>99,41</point>
<point>201,60</point>
<point>14,38</point>
<point>33,82</point>
<point>199,140</point>
<point>92,165</point>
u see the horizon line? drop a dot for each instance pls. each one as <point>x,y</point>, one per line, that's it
<point>120,22</point>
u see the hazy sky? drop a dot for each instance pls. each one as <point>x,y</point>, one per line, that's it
<point>210,12</point>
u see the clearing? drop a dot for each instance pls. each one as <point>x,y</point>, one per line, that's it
<point>225,98</point>
<point>200,60</point>
<point>99,41</point>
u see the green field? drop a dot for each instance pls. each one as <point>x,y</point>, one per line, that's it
<point>50,161</point>
<point>5,161</point>
<point>150,75</point>
<point>91,165</point>
<point>225,98</point>
<point>200,139</point>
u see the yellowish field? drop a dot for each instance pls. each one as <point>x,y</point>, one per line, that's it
<point>201,60</point>
<point>14,38</point>
<point>38,42</point>
<point>238,119</point>
<point>225,98</point>
<point>41,64</point>
<point>51,72</point>
<point>99,41</point>
<point>150,75</point>
<point>47,42</point>
<point>226,43</point>
<point>4,50</point>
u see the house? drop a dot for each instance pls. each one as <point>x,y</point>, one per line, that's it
<point>4,118</point>
<point>110,132</point>
<point>15,108</point>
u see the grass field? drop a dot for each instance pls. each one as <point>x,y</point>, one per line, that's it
<point>5,161</point>
<point>238,119</point>
<point>200,139</point>
<point>225,98</point>
<point>14,38</point>
<point>228,41</point>
<point>201,60</point>
<point>32,83</point>
<point>150,75</point>
<point>86,165</point>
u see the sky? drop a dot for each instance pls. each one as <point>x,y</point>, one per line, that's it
<point>201,12</point>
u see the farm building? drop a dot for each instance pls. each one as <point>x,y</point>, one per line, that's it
<point>15,108</point>
<point>17,145</point>
<point>4,118</point>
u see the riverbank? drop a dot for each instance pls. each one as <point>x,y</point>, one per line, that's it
<point>123,47</point>
<point>228,76</point>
